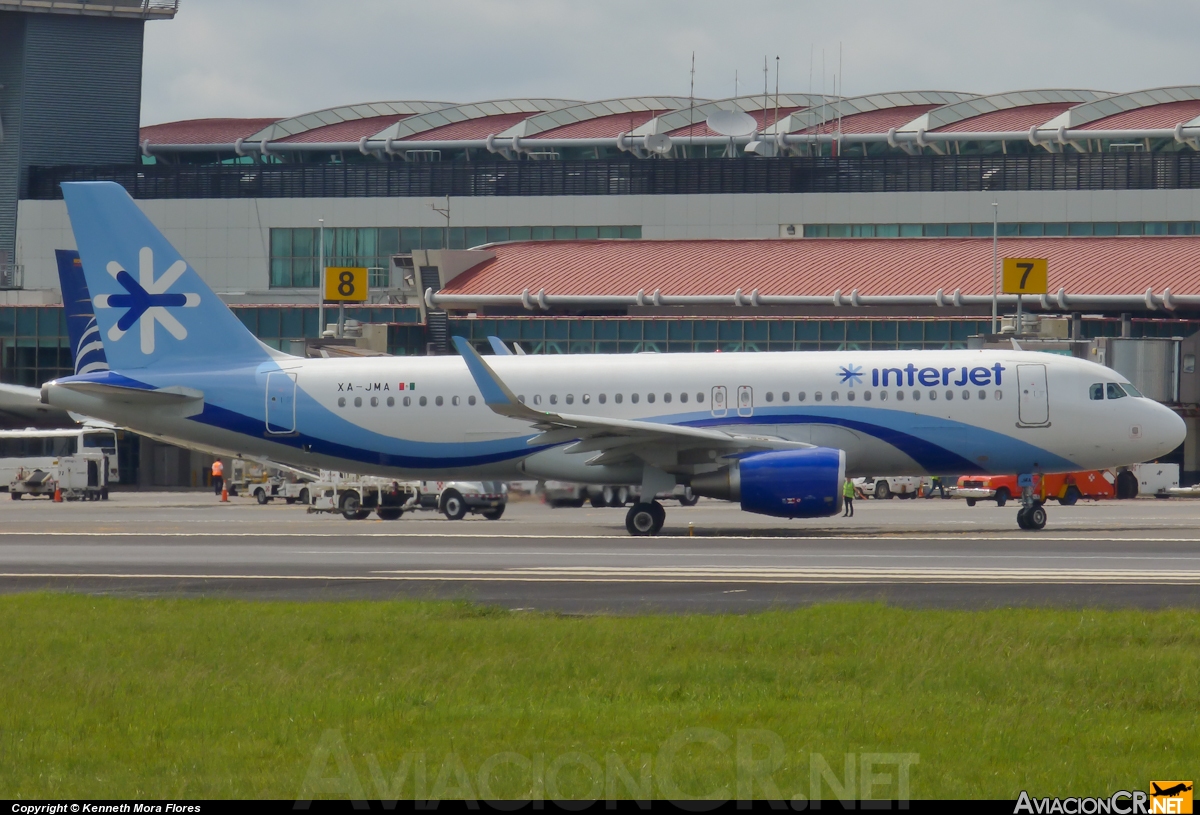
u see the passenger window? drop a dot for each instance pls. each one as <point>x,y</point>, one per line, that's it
<point>521,398</point>
<point>586,398</point>
<point>883,396</point>
<point>770,396</point>
<point>649,397</point>
<point>618,398</point>
<point>423,401</point>
<point>999,395</point>
<point>391,402</point>
<point>633,397</point>
<point>341,401</point>
<point>603,398</point>
<point>570,398</point>
<point>537,398</point>
<point>699,398</point>
<point>456,401</point>
<point>800,396</point>
<point>833,396</point>
<point>1114,391</point>
<point>849,396</point>
<point>438,401</point>
<point>683,397</point>
<point>983,394</point>
<point>916,396</point>
<point>817,396</point>
<point>949,395</point>
<point>1096,392</point>
<point>358,401</point>
<point>786,396</point>
<point>407,401</point>
<point>554,398</point>
<point>866,396</point>
<point>374,401</point>
<point>667,396</point>
<point>471,400</point>
<point>932,396</point>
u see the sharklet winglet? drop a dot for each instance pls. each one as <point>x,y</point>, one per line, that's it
<point>498,347</point>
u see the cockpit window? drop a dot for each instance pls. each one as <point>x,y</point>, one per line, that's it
<point>1096,391</point>
<point>1114,391</point>
<point>1130,389</point>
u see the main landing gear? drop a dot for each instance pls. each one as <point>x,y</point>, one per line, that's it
<point>645,519</point>
<point>1032,514</point>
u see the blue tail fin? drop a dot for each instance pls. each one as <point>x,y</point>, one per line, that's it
<point>86,348</point>
<point>152,308</point>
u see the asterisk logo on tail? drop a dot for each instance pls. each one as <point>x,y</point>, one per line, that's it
<point>851,375</point>
<point>147,300</point>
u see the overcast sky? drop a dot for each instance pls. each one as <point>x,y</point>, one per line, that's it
<point>285,57</point>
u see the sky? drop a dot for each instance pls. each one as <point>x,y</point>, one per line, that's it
<point>277,58</point>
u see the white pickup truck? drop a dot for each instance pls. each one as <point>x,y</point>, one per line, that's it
<point>455,499</point>
<point>894,486</point>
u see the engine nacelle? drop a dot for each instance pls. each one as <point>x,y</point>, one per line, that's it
<point>784,483</point>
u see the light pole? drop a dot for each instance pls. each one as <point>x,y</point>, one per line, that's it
<point>321,281</point>
<point>995,261</point>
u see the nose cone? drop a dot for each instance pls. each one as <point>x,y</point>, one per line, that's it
<point>1164,428</point>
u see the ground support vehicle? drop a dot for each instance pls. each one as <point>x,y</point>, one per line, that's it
<point>356,497</point>
<point>565,494</point>
<point>1153,478</point>
<point>455,499</point>
<point>1066,488</point>
<point>902,486</point>
<point>82,477</point>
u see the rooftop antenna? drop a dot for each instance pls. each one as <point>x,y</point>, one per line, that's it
<point>776,122</point>
<point>765,106</point>
<point>692,107</point>
<point>841,92</point>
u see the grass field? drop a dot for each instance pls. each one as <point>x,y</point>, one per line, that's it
<point>107,697</point>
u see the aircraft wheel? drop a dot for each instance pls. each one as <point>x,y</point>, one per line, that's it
<point>882,491</point>
<point>453,505</point>
<point>1022,517</point>
<point>597,499</point>
<point>689,498</point>
<point>970,502</point>
<point>620,497</point>
<point>1035,517</point>
<point>260,495</point>
<point>642,519</point>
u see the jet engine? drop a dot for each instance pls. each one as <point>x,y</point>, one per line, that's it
<point>785,483</point>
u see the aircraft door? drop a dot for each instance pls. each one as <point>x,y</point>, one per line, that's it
<point>281,402</point>
<point>745,403</point>
<point>719,403</point>
<point>1033,408</point>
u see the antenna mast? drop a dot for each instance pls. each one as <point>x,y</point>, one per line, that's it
<point>692,107</point>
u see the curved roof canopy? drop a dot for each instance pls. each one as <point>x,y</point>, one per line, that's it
<point>893,109</point>
<point>596,119</point>
<point>1015,110</point>
<point>690,120</point>
<point>302,128</point>
<point>1156,108</point>
<point>474,121</point>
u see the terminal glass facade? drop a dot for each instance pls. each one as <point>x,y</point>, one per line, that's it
<point>1004,230</point>
<point>34,347</point>
<point>295,252</point>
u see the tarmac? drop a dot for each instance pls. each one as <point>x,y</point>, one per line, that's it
<point>712,557</point>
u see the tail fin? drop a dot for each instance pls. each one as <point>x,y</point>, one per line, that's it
<point>151,307</point>
<point>86,348</point>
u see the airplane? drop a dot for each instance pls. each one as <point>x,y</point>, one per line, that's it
<point>776,432</point>
<point>1169,792</point>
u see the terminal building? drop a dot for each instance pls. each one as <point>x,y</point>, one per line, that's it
<point>629,225</point>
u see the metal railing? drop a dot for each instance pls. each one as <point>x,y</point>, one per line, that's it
<point>12,276</point>
<point>924,173</point>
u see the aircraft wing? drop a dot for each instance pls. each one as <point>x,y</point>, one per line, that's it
<point>614,439</point>
<point>22,407</point>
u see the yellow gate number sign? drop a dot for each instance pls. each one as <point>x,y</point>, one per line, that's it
<point>1025,276</point>
<point>346,283</point>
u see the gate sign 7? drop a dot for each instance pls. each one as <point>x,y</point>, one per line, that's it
<point>346,283</point>
<point>1025,276</point>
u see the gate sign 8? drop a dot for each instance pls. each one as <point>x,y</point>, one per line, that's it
<point>346,283</point>
<point>1025,276</point>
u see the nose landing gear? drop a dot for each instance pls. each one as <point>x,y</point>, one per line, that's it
<point>1032,514</point>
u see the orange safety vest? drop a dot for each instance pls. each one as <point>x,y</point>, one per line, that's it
<point>218,468</point>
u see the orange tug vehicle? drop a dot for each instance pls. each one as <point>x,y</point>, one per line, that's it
<point>1066,488</point>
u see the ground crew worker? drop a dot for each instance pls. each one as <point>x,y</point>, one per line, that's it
<point>848,498</point>
<point>939,485</point>
<point>218,476</point>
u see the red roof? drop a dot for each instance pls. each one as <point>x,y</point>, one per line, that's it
<point>600,127</point>
<point>818,266</point>
<point>1167,114</point>
<point>479,128</point>
<point>351,130</point>
<point>1018,118</point>
<point>870,121</point>
<point>203,131</point>
<point>764,118</point>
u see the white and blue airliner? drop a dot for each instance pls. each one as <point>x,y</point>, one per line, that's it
<point>776,432</point>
